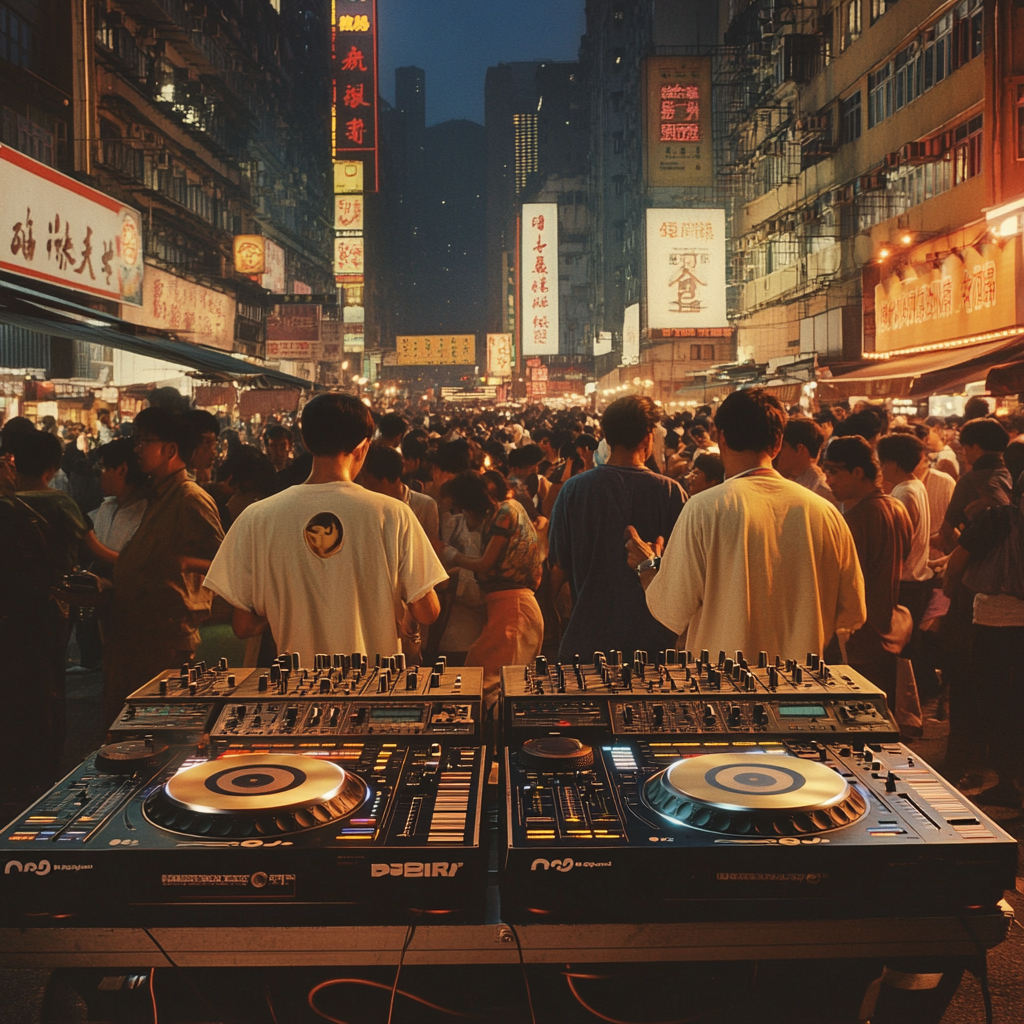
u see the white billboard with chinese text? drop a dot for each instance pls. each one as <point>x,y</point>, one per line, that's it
<point>603,343</point>
<point>348,214</point>
<point>201,315</point>
<point>273,271</point>
<point>63,232</point>
<point>631,335</point>
<point>499,355</point>
<point>686,268</point>
<point>538,260</point>
<point>348,256</point>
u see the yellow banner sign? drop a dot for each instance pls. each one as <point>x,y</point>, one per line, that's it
<point>436,350</point>
<point>968,292</point>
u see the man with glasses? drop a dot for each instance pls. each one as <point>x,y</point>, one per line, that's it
<point>158,597</point>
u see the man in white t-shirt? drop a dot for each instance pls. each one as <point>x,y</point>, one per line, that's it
<point>900,456</point>
<point>328,565</point>
<point>757,563</point>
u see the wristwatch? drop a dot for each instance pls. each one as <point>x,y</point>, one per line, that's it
<point>649,566</point>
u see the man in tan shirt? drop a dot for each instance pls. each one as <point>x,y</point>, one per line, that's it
<point>158,599</point>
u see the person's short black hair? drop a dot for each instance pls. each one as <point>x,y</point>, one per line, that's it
<point>415,445</point>
<point>628,421</point>
<point>711,466</point>
<point>853,452</point>
<point>528,455</point>
<point>383,462</point>
<point>249,470</point>
<point>121,452</point>
<point>859,424</point>
<point>335,423</point>
<point>392,425</point>
<point>203,422</point>
<point>751,420</point>
<point>277,433</point>
<point>823,416</point>
<point>168,425</point>
<point>168,398</point>
<point>903,449</point>
<point>36,453</point>
<point>541,434</point>
<point>806,432</point>
<point>16,427</point>
<point>453,456</point>
<point>469,492</point>
<point>587,441</point>
<point>1014,422</point>
<point>976,408</point>
<point>988,434</point>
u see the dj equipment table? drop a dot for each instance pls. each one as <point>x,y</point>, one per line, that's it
<point>878,938</point>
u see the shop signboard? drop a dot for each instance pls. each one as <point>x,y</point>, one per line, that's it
<point>354,85</point>
<point>298,351</point>
<point>631,335</point>
<point>273,267</point>
<point>538,260</point>
<point>968,291</point>
<point>686,268</point>
<point>348,257</point>
<point>603,343</point>
<point>348,215</point>
<point>62,232</point>
<point>436,350</point>
<point>249,254</point>
<point>201,315</point>
<point>499,355</point>
<point>677,122</point>
<point>294,323</point>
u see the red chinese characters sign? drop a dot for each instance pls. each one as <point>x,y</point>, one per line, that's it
<point>678,121</point>
<point>56,229</point>
<point>354,43</point>
<point>538,261</point>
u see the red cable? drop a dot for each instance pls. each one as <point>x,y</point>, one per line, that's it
<point>152,994</point>
<point>614,1020</point>
<point>372,984</point>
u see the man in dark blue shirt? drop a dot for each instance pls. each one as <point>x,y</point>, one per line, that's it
<point>588,533</point>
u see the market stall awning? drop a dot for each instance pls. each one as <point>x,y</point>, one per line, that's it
<point>923,373</point>
<point>36,311</point>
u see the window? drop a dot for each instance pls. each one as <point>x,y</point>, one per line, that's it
<point>850,116</point>
<point>15,38</point>
<point>851,26</point>
<point>879,7</point>
<point>879,95</point>
<point>967,150</point>
<point>938,51</point>
<point>908,77</point>
<point>826,31</point>
<point>1020,122</point>
<point>703,352</point>
<point>967,30</point>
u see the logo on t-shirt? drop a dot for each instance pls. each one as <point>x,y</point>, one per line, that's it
<point>324,534</point>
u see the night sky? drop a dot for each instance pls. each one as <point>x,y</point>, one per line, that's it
<point>455,41</point>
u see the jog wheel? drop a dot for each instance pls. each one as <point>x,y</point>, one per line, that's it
<point>556,754</point>
<point>256,795</point>
<point>129,756</point>
<point>754,795</point>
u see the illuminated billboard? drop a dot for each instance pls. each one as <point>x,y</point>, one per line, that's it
<point>499,355</point>
<point>354,87</point>
<point>538,261</point>
<point>62,232</point>
<point>677,121</point>
<point>686,268</point>
<point>436,350</point>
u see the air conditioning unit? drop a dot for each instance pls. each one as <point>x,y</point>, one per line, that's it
<point>135,131</point>
<point>812,123</point>
<point>872,182</point>
<point>942,143</point>
<point>163,160</point>
<point>916,152</point>
<point>807,215</point>
<point>892,161</point>
<point>845,194</point>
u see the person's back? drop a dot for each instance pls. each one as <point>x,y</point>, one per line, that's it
<point>758,562</point>
<point>588,526</point>
<point>328,564</point>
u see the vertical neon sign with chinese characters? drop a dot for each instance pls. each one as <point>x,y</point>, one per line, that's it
<point>539,277</point>
<point>678,121</point>
<point>354,88</point>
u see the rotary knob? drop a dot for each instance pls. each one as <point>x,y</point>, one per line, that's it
<point>556,753</point>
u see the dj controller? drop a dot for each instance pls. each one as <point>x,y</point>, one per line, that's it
<point>647,788</point>
<point>350,793</point>
<point>686,789</point>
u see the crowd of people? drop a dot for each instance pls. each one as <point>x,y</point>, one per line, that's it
<point>483,535</point>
